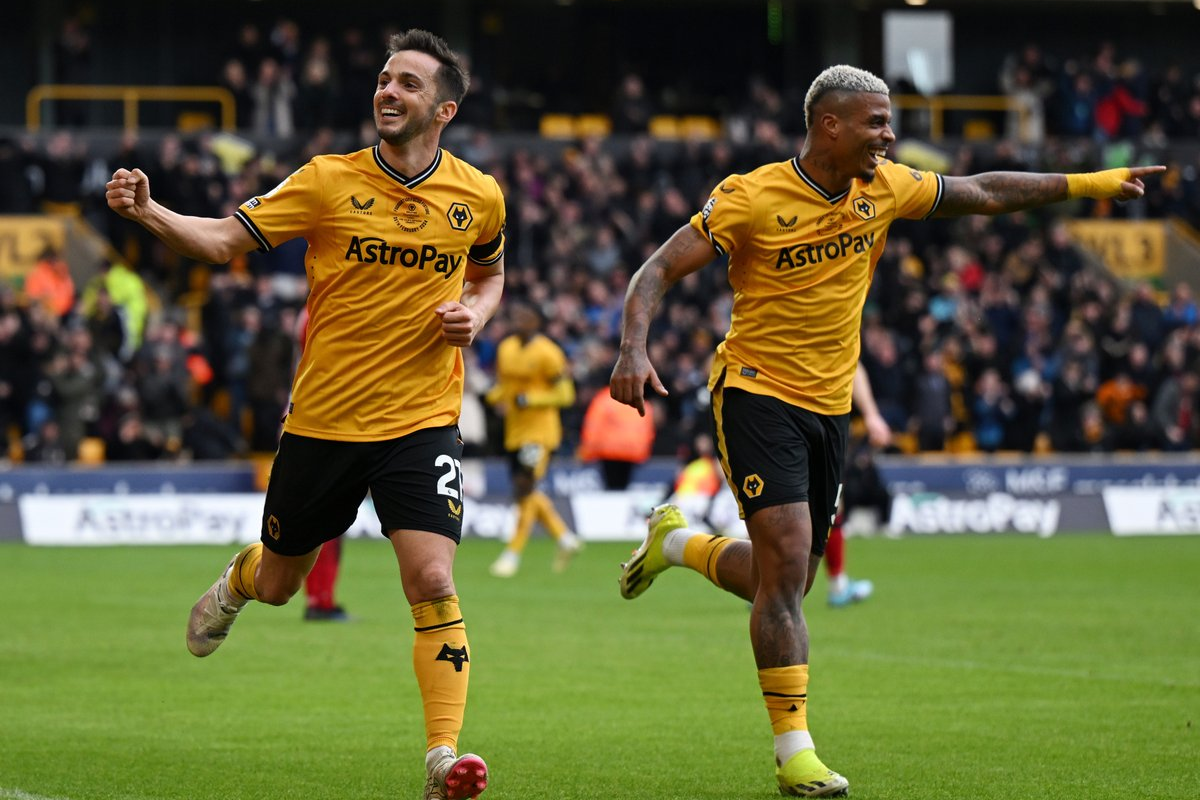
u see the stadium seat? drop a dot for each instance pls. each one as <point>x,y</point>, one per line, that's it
<point>978,130</point>
<point>91,450</point>
<point>664,126</point>
<point>699,127</point>
<point>593,125</point>
<point>556,126</point>
<point>192,121</point>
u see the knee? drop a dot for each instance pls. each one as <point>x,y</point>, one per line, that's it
<point>783,566</point>
<point>430,581</point>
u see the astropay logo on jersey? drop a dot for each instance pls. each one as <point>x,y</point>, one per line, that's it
<point>374,250</point>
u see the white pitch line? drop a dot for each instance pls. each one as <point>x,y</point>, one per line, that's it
<point>17,794</point>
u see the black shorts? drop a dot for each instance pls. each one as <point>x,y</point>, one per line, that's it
<point>530,459</point>
<point>775,453</point>
<point>317,485</point>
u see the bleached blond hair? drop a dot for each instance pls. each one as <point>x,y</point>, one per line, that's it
<point>841,78</point>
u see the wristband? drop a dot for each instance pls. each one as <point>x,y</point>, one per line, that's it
<point>1097,185</point>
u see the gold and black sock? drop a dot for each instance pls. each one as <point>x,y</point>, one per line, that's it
<point>701,553</point>
<point>442,663</point>
<point>245,568</point>
<point>785,692</point>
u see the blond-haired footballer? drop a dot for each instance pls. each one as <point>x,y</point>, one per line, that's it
<point>803,237</point>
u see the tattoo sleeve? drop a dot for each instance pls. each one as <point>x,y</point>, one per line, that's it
<point>645,292</point>
<point>1000,193</point>
<point>685,252</point>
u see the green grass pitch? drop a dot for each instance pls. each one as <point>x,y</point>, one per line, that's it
<point>984,667</point>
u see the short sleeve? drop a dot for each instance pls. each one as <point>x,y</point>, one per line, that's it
<point>288,211</point>
<point>489,247</point>
<point>725,219</point>
<point>917,193</point>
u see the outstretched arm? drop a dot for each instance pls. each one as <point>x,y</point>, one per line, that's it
<point>212,241</point>
<point>684,253</point>
<point>1002,192</point>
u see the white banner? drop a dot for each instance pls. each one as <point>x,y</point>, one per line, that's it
<point>112,519</point>
<point>613,516</point>
<point>1145,510</point>
<point>998,512</point>
<point>107,519</point>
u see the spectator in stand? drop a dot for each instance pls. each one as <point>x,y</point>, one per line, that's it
<point>77,383</point>
<point>1073,388</point>
<point>1181,311</point>
<point>73,65</point>
<point>207,437</point>
<point>931,404</point>
<point>991,410</point>
<point>164,398</point>
<point>1176,410</point>
<point>1116,396</point>
<point>269,359</point>
<point>128,293</point>
<point>50,283</point>
<point>234,79</point>
<point>631,109</point>
<point>1077,103</point>
<point>274,95</point>
<point>62,166</point>
<point>15,161</point>
<point>316,92</point>
<point>1147,320</point>
<point>133,442</point>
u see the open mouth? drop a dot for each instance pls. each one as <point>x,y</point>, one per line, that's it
<point>877,155</point>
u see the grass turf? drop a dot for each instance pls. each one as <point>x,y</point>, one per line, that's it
<point>984,667</point>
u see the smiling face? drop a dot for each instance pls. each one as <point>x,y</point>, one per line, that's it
<point>861,132</point>
<point>406,98</point>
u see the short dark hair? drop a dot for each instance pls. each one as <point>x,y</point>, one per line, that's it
<point>452,76</point>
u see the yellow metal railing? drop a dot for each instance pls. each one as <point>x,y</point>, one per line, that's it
<point>131,97</point>
<point>938,105</point>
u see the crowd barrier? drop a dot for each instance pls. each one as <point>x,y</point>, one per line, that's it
<point>222,504</point>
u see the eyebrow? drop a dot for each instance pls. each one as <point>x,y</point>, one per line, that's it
<point>401,75</point>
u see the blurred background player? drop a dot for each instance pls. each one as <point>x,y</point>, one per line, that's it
<point>532,386</point>
<point>617,436</point>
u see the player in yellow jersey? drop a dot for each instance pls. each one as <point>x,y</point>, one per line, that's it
<point>405,265</point>
<point>532,387</point>
<point>803,237</point>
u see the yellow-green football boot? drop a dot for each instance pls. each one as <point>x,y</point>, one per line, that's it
<point>648,560</point>
<point>805,776</point>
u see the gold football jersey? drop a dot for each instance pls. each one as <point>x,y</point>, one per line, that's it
<point>531,368</point>
<point>384,250</point>
<point>800,263</point>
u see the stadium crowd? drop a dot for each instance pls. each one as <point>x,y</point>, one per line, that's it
<point>980,333</point>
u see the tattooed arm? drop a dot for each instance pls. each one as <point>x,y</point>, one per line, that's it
<point>1002,192</point>
<point>684,253</point>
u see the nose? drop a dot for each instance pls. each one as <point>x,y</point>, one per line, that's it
<point>889,135</point>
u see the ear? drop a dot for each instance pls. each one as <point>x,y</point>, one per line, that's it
<point>446,111</point>
<point>832,124</point>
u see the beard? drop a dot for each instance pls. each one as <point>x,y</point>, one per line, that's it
<point>414,128</point>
